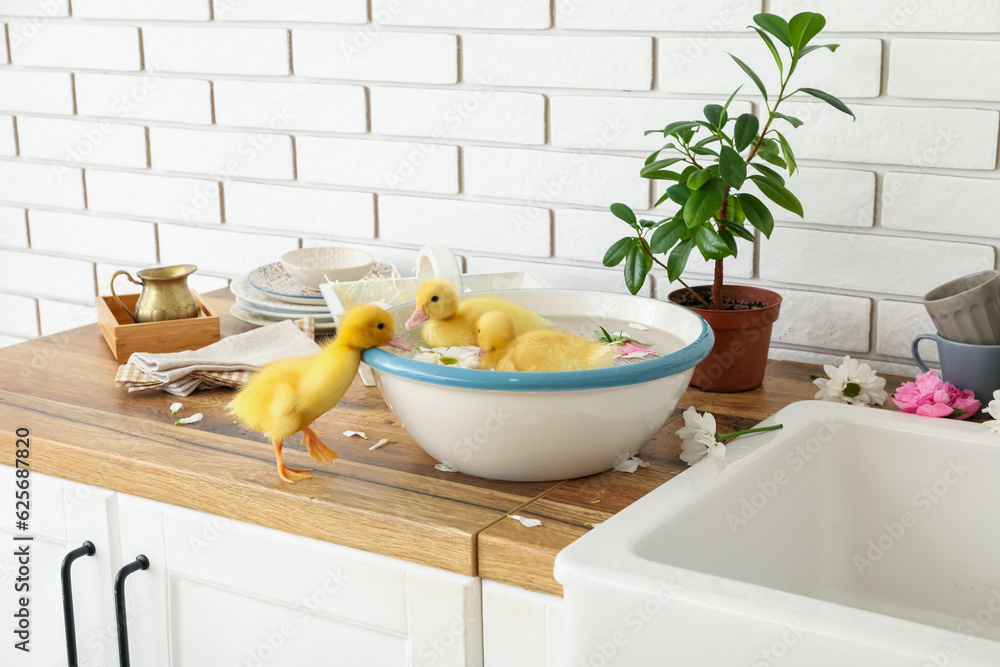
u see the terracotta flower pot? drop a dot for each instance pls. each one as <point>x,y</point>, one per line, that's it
<point>742,339</point>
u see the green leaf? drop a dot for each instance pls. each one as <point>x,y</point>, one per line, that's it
<point>666,236</point>
<point>852,389</point>
<point>710,243</point>
<point>635,269</point>
<point>813,47</point>
<point>658,165</point>
<point>803,27</point>
<point>773,158</point>
<point>791,119</point>
<point>679,193</point>
<point>704,202</point>
<point>664,197</point>
<point>739,230</point>
<point>730,100</point>
<point>730,241</point>
<point>757,213</point>
<point>745,130</point>
<point>732,168</point>
<point>771,48</point>
<point>734,211</point>
<point>769,173</point>
<point>647,224</point>
<point>787,151</point>
<point>448,361</point>
<point>677,126</point>
<point>778,194</point>
<point>829,99</point>
<point>623,212</point>
<point>678,259</point>
<point>663,175</point>
<point>714,114</point>
<point>698,179</point>
<point>752,75</point>
<point>617,252</point>
<point>775,25</point>
<point>701,150</point>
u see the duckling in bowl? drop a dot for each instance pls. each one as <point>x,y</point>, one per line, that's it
<point>541,426</point>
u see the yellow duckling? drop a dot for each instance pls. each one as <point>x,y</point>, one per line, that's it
<point>453,323</point>
<point>537,350</point>
<point>287,396</point>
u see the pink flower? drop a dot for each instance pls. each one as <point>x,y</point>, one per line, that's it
<point>630,348</point>
<point>931,396</point>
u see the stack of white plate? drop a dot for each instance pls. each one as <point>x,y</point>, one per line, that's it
<point>268,294</point>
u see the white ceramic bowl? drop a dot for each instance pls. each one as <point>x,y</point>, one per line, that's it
<point>313,266</point>
<point>547,426</point>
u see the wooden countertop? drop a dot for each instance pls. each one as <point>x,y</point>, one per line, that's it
<point>391,501</point>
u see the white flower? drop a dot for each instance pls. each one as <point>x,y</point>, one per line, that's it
<point>994,409</point>
<point>530,523</point>
<point>197,417</point>
<point>631,464</point>
<point>698,435</point>
<point>466,356</point>
<point>175,407</point>
<point>851,382</point>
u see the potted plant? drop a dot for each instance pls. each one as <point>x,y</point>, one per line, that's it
<point>713,161</point>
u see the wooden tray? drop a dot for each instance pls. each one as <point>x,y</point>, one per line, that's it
<point>125,336</point>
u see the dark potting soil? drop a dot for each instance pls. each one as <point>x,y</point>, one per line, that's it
<point>687,300</point>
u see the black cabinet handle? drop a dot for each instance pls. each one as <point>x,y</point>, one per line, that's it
<point>140,563</point>
<point>88,549</point>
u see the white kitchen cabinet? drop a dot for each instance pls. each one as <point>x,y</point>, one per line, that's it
<point>232,593</point>
<point>63,515</point>
<point>221,592</point>
<point>522,628</point>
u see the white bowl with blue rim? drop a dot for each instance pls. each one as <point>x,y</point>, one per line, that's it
<point>530,427</point>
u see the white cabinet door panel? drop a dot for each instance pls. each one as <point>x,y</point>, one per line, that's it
<point>212,626</point>
<point>521,628</point>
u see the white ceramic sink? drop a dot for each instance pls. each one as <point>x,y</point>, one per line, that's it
<point>852,537</point>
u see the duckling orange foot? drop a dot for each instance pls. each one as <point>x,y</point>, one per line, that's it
<point>289,475</point>
<point>317,450</point>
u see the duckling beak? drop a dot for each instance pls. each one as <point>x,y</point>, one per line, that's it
<point>396,341</point>
<point>419,315</point>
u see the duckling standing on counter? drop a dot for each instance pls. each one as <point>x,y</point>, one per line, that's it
<point>536,350</point>
<point>286,396</point>
<point>451,323</point>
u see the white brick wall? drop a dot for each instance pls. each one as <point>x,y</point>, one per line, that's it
<point>37,44</point>
<point>291,106</point>
<point>83,142</point>
<point>612,63</point>
<point>684,66</point>
<point>149,97</point>
<point>224,133</point>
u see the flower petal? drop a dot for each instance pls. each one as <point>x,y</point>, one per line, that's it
<point>197,417</point>
<point>530,523</point>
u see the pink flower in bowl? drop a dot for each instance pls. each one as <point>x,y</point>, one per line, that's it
<point>931,396</point>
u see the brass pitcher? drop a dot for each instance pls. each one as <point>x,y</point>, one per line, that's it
<point>165,294</point>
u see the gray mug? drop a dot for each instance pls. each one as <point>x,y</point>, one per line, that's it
<point>967,309</point>
<point>975,367</point>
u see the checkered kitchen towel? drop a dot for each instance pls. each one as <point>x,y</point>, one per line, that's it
<point>228,363</point>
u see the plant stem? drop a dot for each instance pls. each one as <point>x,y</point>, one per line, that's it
<point>722,437</point>
<point>686,286</point>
